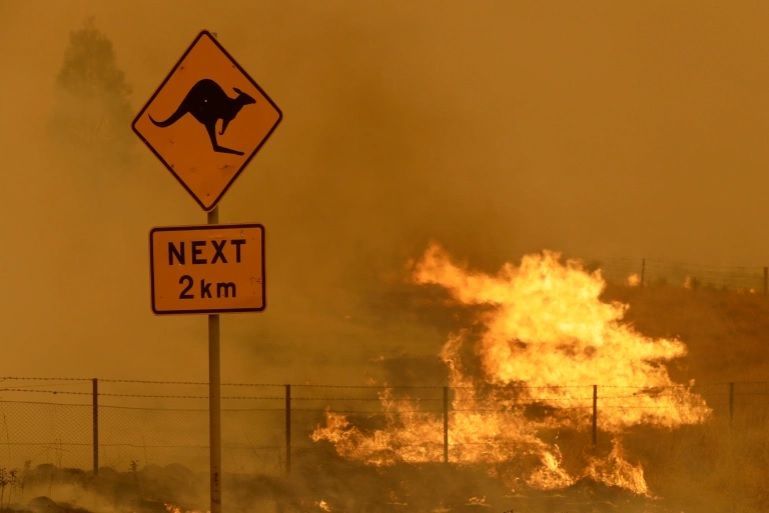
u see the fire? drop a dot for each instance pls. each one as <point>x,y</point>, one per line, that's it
<point>615,471</point>
<point>550,475</point>
<point>173,508</point>
<point>420,439</point>
<point>633,280</point>
<point>477,501</point>
<point>546,339</point>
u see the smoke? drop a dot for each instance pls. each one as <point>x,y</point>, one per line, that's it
<point>497,128</point>
<point>470,125</point>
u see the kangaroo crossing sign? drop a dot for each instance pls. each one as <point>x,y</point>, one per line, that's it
<point>207,120</point>
<point>207,269</point>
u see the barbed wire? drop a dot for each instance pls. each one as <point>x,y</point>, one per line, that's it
<point>57,444</point>
<point>536,400</point>
<point>369,387</point>
<point>383,412</point>
<point>42,378</point>
<point>649,391</point>
<point>150,396</point>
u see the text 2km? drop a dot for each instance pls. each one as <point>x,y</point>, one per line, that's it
<point>208,289</point>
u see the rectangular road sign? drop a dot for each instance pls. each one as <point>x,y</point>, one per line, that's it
<point>207,269</point>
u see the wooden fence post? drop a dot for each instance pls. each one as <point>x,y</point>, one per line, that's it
<point>731,404</point>
<point>288,429</point>
<point>595,415</point>
<point>445,424</point>
<point>95,419</point>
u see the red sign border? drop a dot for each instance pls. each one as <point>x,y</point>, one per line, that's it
<point>160,87</point>
<point>206,227</point>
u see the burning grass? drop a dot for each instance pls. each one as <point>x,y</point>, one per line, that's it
<point>546,337</point>
<point>664,444</point>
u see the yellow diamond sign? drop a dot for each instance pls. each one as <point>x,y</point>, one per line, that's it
<point>207,120</point>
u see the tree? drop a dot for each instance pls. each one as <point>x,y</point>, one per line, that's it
<point>92,113</point>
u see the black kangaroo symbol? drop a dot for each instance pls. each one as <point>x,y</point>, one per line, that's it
<point>208,103</point>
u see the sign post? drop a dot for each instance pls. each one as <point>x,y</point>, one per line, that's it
<point>214,399</point>
<point>205,123</point>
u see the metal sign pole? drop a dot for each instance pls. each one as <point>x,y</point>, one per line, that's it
<point>202,73</point>
<point>214,399</point>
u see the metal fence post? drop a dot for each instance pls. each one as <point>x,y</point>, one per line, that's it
<point>595,415</point>
<point>215,399</point>
<point>95,419</point>
<point>288,429</point>
<point>731,404</point>
<point>445,424</point>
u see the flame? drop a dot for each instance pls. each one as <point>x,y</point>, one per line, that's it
<point>633,280</point>
<point>550,476</point>
<point>173,508</point>
<point>419,440</point>
<point>478,501</point>
<point>614,470</point>
<point>546,338</point>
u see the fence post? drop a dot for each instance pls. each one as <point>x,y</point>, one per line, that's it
<point>595,415</point>
<point>731,404</point>
<point>766,280</point>
<point>643,271</point>
<point>445,424</point>
<point>288,429</point>
<point>95,415</point>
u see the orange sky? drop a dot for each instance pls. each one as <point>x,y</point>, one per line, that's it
<point>497,128</point>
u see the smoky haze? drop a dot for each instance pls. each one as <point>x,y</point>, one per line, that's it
<point>496,128</point>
